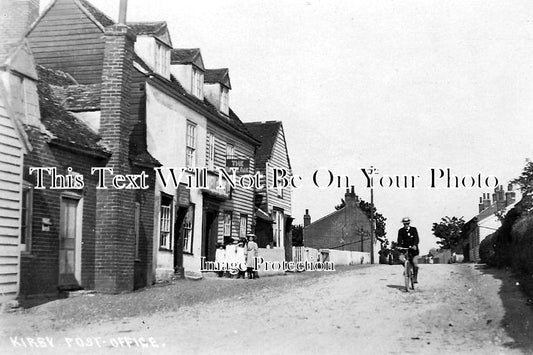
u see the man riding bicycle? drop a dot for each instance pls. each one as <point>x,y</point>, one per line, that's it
<point>408,238</point>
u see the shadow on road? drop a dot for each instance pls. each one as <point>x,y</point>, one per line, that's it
<point>518,319</point>
<point>400,288</point>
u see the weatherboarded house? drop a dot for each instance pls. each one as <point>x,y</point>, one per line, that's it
<point>274,207</point>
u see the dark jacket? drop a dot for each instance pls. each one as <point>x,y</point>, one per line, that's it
<point>408,239</point>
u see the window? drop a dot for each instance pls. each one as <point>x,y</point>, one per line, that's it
<point>188,224</point>
<point>230,151</point>
<point>197,83</point>
<point>243,226</point>
<point>137,227</point>
<point>190,159</point>
<point>224,100</point>
<point>165,223</point>
<point>162,60</point>
<point>26,215</point>
<point>227,224</point>
<point>279,230</point>
<point>210,151</point>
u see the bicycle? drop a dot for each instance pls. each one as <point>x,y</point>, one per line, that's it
<point>408,272</point>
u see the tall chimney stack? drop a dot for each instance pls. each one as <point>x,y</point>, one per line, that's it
<point>115,237</point>
<point>122,12</point>
<point>307,218</point>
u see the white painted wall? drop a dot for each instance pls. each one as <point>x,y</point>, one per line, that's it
<point>183,73</point>
<point>166,123</point>
<point>212,94</point>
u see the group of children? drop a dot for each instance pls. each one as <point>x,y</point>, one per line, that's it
<point>239,257</point>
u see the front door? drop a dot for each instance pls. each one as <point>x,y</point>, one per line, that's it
<point>209,239</point>
<point>67,242</point>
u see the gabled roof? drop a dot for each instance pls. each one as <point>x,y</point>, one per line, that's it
<point>66,129</point>
<point>187,56</point>
<point>98,15</point>
<point>266,133</point>
<point>17,57</point>
<point>157,29</point>
<point>214,76</point>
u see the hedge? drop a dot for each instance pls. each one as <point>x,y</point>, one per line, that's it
<point>522,245</point>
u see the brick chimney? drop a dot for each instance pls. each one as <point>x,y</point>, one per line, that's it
<point>481,205</point>
<point>16,17</point>
<point>307,218</point>
<point>510,196</point>
<point>350,197</point>
<point>500,198</point>
<point>486,200</point>
<point>115,235</point>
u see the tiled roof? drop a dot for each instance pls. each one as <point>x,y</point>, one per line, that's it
<point>157,29</point>
<point>184,56</point>
<point>55,77</point>
<point>232,119</point>
<point>98,15</point>
<point>79,97</point>
<point>65,127</point>
<point>266,133</point>
<point>213,76</point>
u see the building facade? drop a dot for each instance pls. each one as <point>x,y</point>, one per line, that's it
<point>345,229</point>
<point>273,205</point>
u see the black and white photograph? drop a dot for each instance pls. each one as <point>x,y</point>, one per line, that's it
<point>266,177</point>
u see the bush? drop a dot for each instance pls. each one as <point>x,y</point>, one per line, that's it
<point>522,246</point>
<point>487,252</point>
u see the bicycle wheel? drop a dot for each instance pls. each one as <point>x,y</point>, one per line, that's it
<point>407,273</point>
<point>412,277</point>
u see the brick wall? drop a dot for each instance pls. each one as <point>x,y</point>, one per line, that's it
<point>40,267</point>
<point>341,230</point>
<point>115,237</point>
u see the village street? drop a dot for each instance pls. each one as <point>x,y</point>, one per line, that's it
<point>356,310</point>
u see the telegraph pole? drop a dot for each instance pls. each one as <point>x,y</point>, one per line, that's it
<point>373,171</point>
<point>372,223</point>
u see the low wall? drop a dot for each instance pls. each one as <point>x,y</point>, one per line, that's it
<point>338,257</point>
<point>345,257</point>
<point>276,255</point>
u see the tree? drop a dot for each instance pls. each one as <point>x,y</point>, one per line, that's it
<point>297,235</point>
<point>448,230</point>
<point>525,180</point>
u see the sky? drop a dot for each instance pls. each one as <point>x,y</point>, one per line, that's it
<point>401,86</point>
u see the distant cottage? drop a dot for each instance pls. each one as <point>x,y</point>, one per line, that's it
<point>345,229</point>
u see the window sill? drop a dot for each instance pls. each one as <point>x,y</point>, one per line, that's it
<point>188,253</point>
<point>164,249</point>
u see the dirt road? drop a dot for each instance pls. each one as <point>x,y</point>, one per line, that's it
<point>456,309</point>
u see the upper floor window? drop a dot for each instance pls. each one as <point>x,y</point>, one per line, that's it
<point>197,83</point>
<point>190,159</point>
<point>230,151</point>
<point>224,100</point>
<point>162,59</point>
<point>210,151</point>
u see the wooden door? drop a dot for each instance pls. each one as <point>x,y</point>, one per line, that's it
<point>67,242</point>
